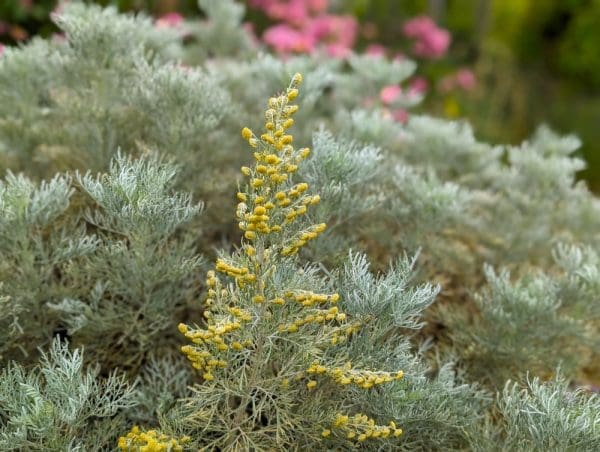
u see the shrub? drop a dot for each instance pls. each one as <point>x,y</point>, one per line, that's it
<point>112,143</point>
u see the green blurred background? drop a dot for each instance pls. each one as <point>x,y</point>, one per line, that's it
<point>536,61</point>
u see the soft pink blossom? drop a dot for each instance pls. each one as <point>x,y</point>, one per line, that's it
<point>418,85</point>
<point>390,93</point>
<point>332,29</point>
<point>285,39</point>
<point>433,45</point>
<point>317,6</point>
<point>465,79</point>
<point>293,12</point>
<point>338,51</point>
<point>400,115</point>
<point>169,20</point>
<point>430,40</point>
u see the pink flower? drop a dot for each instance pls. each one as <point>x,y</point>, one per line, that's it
<point>389,94</point>
<point>375,50</point>
<point>169,20</point>
<point>419,85</point>
<point>465,78</point>
<point>430,40</point>
<point>432,46</point>
<point>285,39</point>
<point>293,12</point>
<point>418,26</point>
<point>400,115</point>
<point>338,51</point>
<point>317,6</point>
<point>340,30</point>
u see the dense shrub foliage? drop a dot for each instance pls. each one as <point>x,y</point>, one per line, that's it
<point>362,282</point>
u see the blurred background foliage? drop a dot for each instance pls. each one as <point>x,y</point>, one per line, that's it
<point>535,61</point>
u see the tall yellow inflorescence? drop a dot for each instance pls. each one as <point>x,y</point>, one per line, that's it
<point>267,208</point>
<point>268,211</point>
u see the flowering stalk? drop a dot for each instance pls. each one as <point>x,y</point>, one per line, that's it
<point>253,308</point>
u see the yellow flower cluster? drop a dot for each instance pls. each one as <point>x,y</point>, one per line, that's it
<point>267,207</point>
<point>308,298</point>
<point>241,274</point>
<point>317,316</point>
<point>360,428</point>
<point>346,375</point>
<point>211,338</point>
<point>150,441</point>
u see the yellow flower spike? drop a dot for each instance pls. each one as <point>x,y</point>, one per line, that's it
<point>267,201</point>
<point>296,79</point>
<point>246,133</point>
